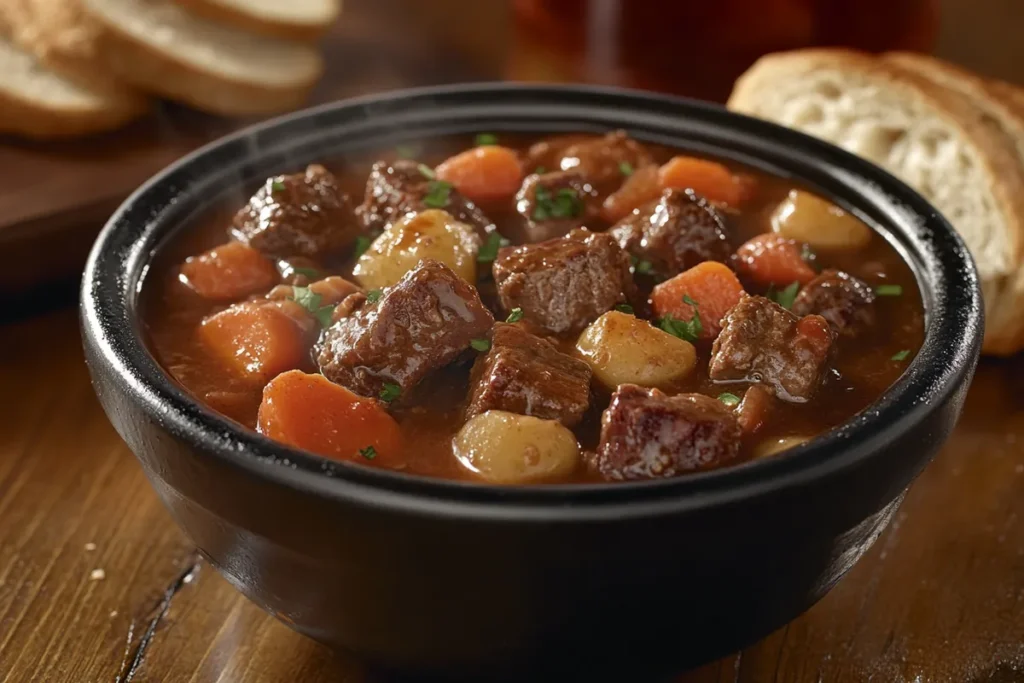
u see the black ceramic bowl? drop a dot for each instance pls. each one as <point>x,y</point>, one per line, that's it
<point>622,582</point>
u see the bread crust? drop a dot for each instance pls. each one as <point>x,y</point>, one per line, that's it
<point>218,12</point>
<point>21,116</point>
<point>1001,165</point>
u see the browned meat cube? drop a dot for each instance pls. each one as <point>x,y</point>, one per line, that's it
<point>522,373</point>
<point>675,233</point>
<point>762,342</point>
<point>563,284</point>
<point>421,323</point>
<point>397,188</point>
<point>648,435</point>
<point>304,214</point>
<point>847,303</point>
<point>554,203</point>
<point>606,161</point>
<point>547,154</point>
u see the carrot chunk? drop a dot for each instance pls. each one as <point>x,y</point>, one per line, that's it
<point>228,272</point>
<point>311,412</point>
<point>484,174</point>
<point>259,339</point>
<point>771,259</point>
<point>641,187</point>
<point>711,285</point>
<point>707,178</point>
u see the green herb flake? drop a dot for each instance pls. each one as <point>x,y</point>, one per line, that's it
<point>438,193</point>
<point>310,300</point>
<point>362,244</point>
<point>489,251</point>
<point>565,203</point>
<point>625,168</point>
<point>889,290</point>
<point>808,256</point>
<point>515,315</point>
<point>374,295</point>
<point>311,273</point>
<point>784,297</point>
<point>407,151</point>
<point>277,185</point>
<point>369,452</point>
<point>540,170</point>
<point>390,392</point>
<point>643,267</point>
<point>485,139</point>
<point>426,171</point>
<point>481,344</point>
<point>624,308</point>
<point>901,355</point>
<point>729,399</point>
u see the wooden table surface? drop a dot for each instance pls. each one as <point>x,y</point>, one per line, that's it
<point>98,585</point>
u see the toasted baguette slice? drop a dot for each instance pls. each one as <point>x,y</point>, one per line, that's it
<point>932,137</point>
<point>304,20</point>
<point>158,46</point>
<point>37,103</point>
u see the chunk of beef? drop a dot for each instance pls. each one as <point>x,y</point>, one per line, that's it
<point>648,435</point>
<point>554,203</point>
<point>304,214</point>
<point>753,411</point>
<point>603,160</point>
<point>547,154</point>
<point>847,303</point>
<point>394,189</point>
<point>675,233</point>
<point>419,324</point>
<point>522,373</point>
<point>565,283</point>
<point>764,343</point>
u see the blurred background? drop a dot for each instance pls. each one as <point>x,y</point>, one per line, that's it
<point>55,194</point>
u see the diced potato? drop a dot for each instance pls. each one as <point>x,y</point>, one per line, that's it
<point>774,446</point>
<point>430,234</point>
<point>622,349</point>
<point>505,448</point>
<point>808,218</point>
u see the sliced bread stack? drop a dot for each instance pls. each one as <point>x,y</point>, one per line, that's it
<point>71,67</point>
<point>954,136</point>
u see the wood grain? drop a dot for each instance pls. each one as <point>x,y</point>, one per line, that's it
<point>939,599</point>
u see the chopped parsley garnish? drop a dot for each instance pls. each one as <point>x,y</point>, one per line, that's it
<point>369,452</point>
<point>687,330</point>
<point>485,139</point>
<point>426,171</point>
<point>901,355</point>
<point>625,168</point>
<point>480,344</point>
<point>643,267</point>
<point>310,300</point>
<point>489,251</point>
<point>515,315</point>
<point>540,170</point>
<point>889,290</point>
<point>407,151</point>
<point>390,392</point>
<point>277,186</point>
<point>311,273</point>
<point>729,399</point>
<point>624,308</point>
<point>374,295</point>
<point>784,297</point>
<point>362,244</point>
<point>438,192</point>
<point>565,203</point>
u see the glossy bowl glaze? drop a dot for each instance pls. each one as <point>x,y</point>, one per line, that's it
<point>625,582</point>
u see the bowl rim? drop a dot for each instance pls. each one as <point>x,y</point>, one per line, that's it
<point>945,271</point>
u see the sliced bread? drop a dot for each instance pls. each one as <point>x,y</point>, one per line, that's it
<point>933,137</point>
<point>159,47</point>
<point>291,20</point>
<point>38,103</point>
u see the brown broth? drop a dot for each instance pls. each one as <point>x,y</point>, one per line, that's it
<point>862,368</point>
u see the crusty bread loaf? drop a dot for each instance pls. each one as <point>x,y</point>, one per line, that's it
<point>942,140</point>
<point>38,103</point>
<point>291,20</point>
<point>159,47</point>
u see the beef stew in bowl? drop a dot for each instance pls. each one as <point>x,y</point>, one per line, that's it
<point>515,309</point>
